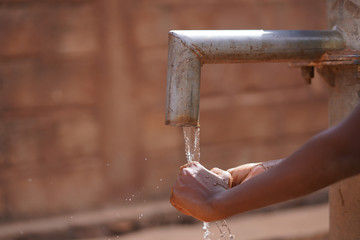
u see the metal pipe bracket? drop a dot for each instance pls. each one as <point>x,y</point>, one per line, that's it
<point>326,66</point>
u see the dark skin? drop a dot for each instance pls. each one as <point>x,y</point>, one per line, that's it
<point>327,158</point>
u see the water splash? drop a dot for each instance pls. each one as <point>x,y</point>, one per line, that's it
<point>222,226</point>
<point>224,229</point>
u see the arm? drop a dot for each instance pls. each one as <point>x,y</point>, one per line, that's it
<point>327,158</point>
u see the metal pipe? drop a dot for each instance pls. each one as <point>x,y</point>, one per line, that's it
<point>188,50</point>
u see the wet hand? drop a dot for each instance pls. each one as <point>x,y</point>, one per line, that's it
<point>245,172</point>
<point>195,189</point>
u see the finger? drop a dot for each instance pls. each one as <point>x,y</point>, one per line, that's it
<point>191,168</point>
<point>217,171</point>
<point>221,173</point>
<point>243,167</point>
<point>225,175</point>
<point>254,172</point>
<point>239,174</point>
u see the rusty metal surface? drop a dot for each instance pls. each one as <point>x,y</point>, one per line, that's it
<point>188,50</point>
<point>347,57</point>
<point>328,64</point>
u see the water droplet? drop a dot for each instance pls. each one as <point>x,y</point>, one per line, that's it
<point>108,164</point>
<point>145,159</point>
<point>141,216</point>
<point>161,180</point>
<point>231,236</point>
<point>129,199</point>
<point>157,187</point>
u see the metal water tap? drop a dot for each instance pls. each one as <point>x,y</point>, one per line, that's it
<point>189,50</point>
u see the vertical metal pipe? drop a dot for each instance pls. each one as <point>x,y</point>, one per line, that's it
<point>183,84</point>
<point>344,197</point>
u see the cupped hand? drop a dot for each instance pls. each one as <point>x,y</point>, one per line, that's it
<point>195,189</point>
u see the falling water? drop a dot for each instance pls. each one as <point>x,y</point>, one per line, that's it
<point>206,230</point>
<point>224,229</point>
<point>192,153</point>
<point>192,143</point>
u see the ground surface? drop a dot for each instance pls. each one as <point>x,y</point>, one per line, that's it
<point>157,221</point>
<point>300,223</point>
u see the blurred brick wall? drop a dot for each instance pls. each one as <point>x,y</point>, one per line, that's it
<point>83,96</point>
<point>50,133</point>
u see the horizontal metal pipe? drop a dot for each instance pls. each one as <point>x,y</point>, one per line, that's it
<point>188,50</point>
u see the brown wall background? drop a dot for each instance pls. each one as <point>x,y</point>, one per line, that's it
<point>83,97</point>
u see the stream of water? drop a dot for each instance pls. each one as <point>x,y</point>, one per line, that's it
<point>192,153</point>
<point>192,143</point>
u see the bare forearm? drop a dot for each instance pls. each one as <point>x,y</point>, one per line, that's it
<point>317,164</point>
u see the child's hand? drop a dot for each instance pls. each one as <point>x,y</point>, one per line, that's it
<point>194,190</point>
